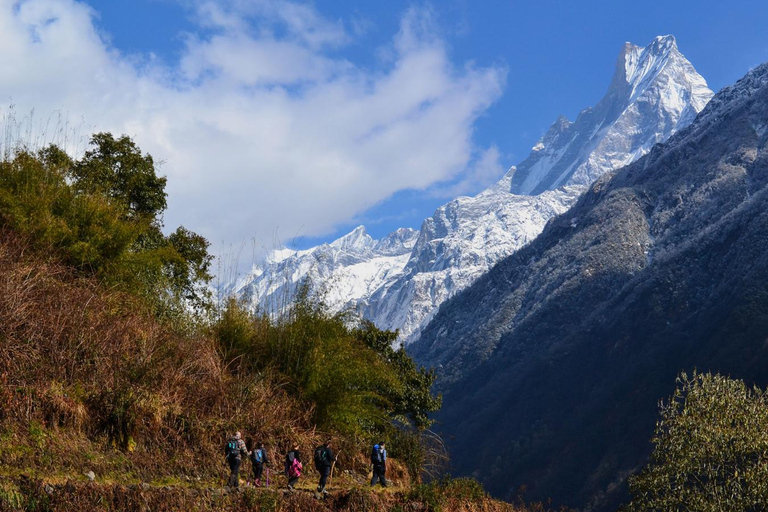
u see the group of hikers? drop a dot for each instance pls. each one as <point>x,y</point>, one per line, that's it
<point>324,460</point>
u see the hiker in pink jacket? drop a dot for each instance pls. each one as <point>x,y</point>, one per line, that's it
<point>293,466</point>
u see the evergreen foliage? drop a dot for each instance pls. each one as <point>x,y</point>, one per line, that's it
<point>103,215</point>
<point>116,169</point>
<point>356,382</point>
<point>711,449</point>
<point>412,399</point>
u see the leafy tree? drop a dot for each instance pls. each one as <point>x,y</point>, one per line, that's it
<point>711,450</point>
<point>191,269</point>
<point>117,169</point>
<point>412,400</point>
<point>356,382</point>
<point>103,215</point>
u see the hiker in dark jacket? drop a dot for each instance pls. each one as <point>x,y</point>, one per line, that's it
<point>235,449</point>
<point>324,459</point>
<point>379,461</point>
<point>292,455</point>
<point>258,461</point>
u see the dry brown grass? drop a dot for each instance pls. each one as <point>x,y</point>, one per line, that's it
<point>80,496</point>
<point>84,369</point>
<point>90,381</point>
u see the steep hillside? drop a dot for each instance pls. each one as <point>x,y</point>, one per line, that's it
<point>553,362</point>
<point>90,381</point>
<point>120,382</point>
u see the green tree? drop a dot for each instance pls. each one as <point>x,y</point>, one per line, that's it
<point>190,271</point>
<point>412,400</point>
<point>711,449</point>
<point>356,382</point>
<point>103,215</point>
<point>117,169</point>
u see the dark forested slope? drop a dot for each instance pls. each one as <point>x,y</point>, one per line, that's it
<point>552,363</point>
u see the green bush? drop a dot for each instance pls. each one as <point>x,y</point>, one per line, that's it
<point>711,449</point>
<point>354,386</point>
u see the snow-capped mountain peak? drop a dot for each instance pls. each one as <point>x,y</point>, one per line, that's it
<point>357,241</point>
<point>399,281</point>
<point>654,92</point>
<point>643,64</point>
<point>344,272</point>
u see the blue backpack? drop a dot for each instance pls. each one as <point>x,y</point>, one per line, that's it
<point>376,455</point>
<point>258,455</point>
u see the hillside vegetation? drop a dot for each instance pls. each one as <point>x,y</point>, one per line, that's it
<point>116,361</point>
<point>711,449</point>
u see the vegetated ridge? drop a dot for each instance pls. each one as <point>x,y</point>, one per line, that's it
<point>121,381</point>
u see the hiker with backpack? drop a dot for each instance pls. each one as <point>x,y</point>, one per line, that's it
<point>324,458</point>
<point>258,461</point>
<point>293,466</point>
<point>379,461</point>
<point>234,450</point>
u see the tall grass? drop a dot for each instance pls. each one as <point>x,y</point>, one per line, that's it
<point>31,133</point>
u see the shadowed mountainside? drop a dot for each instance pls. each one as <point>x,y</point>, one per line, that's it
<point>553,362</point>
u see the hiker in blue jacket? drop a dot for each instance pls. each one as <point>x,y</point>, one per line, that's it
<point>234,451</point>
<point>379,461</point>
<point>258,461</point>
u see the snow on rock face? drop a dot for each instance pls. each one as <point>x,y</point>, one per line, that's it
<point>344,272</point>
<point>654,93</point>
<point>458,244</point>
<point>400,281</point>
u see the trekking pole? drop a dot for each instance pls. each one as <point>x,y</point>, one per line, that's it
<point>267,476</point>
<point>333,465</point>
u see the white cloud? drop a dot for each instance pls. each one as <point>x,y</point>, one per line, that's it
<point>259,132</point>
<point>483,171</point>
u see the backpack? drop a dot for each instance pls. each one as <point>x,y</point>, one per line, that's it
<point>320,456</point>
<point>258,455</point>
<point>295,470</point>
<point>232,447</point>
<point>376,455</point>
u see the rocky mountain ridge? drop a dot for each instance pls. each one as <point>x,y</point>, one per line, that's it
<point>553,362</point>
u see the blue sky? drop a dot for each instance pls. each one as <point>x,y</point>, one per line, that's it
<point>479,82</point>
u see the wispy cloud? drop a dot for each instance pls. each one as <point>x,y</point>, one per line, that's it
<point>480,173</point>
<point>263,124</point>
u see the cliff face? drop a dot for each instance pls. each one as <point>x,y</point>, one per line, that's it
<point>553,362</point>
